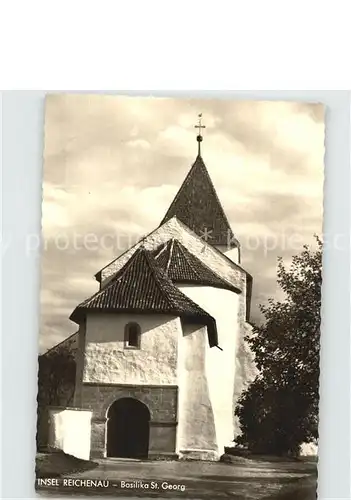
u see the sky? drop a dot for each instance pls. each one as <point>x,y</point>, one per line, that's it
<point>112,166</point>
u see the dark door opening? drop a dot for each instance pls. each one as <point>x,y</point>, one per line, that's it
<point>128,429</point>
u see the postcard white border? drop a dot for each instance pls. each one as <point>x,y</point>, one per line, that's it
<point>22,152</point>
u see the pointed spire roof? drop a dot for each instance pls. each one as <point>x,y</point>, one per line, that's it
<point>181,266</point>
<point>198,207</point>
<point>141,287</point>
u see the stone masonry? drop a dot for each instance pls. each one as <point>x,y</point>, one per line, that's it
<point>162,402</point>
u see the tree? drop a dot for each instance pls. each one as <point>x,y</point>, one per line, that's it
<point>279,410</point>
<point>56,377</point>
<point>56,385</point>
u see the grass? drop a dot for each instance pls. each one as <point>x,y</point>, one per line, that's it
<point>58,464</point>
<point>304,489</point>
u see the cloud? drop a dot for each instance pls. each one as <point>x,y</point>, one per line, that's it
<point>139,143</point>
<point>114,164</point>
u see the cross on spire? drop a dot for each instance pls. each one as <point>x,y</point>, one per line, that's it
<point>199,136</point>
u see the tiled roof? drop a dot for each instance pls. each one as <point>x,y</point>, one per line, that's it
<point>181,266</point>
<point>198,207</point>
<point>143,288</point>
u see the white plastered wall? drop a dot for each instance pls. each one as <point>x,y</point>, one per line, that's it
<point>69,431</point>
<point>218,365</point>
<point>108,361</point>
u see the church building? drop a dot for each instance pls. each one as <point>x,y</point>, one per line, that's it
<point>161,357</point>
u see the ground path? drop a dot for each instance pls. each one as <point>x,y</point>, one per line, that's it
<point>244,479</point>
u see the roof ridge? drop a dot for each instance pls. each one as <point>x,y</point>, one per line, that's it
<point>170,255</point>
<point>197,204</point>
<point>184,250</point>
<point>139,242</point>
<point>116,277</point>
<point>138,245</point>
<point>158,273</point>
<point>181,248</point>
<point>165,296</point>
<point>213,247</point>
<point>163,248</point>
<point>155,270</point>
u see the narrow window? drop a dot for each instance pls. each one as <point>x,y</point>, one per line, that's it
<point>132,335</point>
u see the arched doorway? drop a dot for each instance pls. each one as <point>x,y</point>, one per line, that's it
<point>128,429</point>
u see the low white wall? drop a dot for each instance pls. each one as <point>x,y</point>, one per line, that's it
<point>69,431</point>
<point>308,450</point>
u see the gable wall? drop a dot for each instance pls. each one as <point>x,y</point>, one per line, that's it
<point>231,253</point>
<point>206,253</point>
